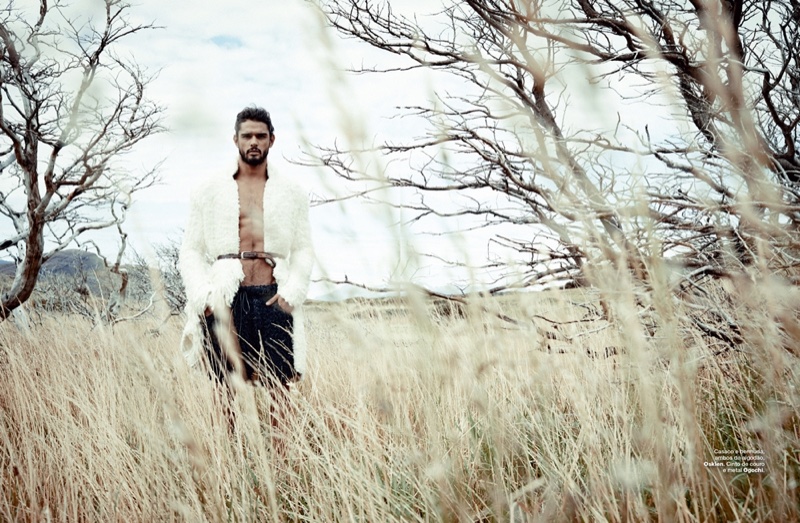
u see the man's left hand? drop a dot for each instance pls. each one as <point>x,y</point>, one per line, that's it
<point>283,304</point>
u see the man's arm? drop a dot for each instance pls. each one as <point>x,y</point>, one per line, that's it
<point>193,260</point>
<point>301,260</point>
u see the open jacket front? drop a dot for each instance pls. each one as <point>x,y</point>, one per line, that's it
<point>213,230</point>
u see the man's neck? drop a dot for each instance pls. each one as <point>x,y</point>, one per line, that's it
<point>252,172</point>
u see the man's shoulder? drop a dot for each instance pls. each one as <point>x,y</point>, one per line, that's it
<point>208,185</point>
<point>288,183</point>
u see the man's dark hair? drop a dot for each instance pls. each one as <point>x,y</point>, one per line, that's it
<point>256,114</point>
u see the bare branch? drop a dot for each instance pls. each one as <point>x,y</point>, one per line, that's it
<point>80,188</point>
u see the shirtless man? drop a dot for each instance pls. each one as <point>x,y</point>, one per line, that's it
<point>246,260</point>
<point>254,141</point>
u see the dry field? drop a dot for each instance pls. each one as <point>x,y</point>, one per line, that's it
<point>411,412</point>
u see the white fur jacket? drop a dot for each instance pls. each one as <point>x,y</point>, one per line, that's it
<point>213,230</point>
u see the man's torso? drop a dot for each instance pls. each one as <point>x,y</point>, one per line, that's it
<point>251,231</point>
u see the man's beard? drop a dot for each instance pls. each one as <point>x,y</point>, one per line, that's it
<point>253,160</point>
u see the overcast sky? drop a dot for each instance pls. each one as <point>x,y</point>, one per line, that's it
<point>213,58</point>
<point>210,59</point>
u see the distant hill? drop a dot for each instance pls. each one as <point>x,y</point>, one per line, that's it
<point>7,268</point>
<point>66,262</point>
<point>72,261</point>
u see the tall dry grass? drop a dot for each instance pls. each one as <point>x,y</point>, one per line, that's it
<point>411,415</point>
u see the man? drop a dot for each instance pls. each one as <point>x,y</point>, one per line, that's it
<point>246,261</point>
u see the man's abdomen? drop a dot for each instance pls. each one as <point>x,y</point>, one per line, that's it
<point>257,272</point>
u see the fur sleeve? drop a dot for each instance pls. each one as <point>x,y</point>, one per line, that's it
<point>193,261</point>
<point>301,256</point>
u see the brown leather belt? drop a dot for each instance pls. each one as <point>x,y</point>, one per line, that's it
<point>250,255</point>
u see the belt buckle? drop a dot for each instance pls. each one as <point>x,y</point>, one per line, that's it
<point>249,255</point>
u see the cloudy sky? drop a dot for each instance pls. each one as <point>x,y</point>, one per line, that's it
<point>213,58</point>
<point>210,59</point>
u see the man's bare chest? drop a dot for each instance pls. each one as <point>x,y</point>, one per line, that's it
<point>251,202</point>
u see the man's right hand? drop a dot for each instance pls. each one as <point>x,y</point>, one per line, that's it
<point>208,312</point>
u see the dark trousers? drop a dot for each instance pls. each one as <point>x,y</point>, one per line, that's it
<point>264,333</point>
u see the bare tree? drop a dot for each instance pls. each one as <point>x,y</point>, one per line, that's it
<point>174,291</point>
<point>512,157</point>
<point>69,108</point>
<point>163,279</point>
<point>76,291</point>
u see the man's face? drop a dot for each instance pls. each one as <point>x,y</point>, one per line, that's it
<point>253,141</point>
